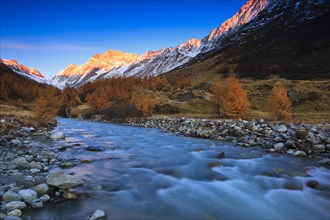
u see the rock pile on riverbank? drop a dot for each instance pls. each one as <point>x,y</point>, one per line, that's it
<point>26,155</point>
<point>294,139</point>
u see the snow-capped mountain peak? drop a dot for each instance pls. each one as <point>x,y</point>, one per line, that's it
<point>20,69</point>
<point>152,63</point>
<point>11,63</point>
<point>247,13</point>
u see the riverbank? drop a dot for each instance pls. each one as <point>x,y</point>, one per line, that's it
<point>300,140</point>
<point>26,156</point>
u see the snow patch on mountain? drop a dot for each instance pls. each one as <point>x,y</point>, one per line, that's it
<point>153,63</point>
<point>20,69</point>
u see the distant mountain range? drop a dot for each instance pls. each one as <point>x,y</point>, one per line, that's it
<point>20,69</point>
<point>265,37</point>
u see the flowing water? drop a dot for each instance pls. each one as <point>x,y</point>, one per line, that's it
<point>146,174</point>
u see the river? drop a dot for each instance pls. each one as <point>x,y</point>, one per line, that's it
<point>147,174</point>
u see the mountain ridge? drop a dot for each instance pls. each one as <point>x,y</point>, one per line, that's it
<point>152,63</point>
<point>25,71</point>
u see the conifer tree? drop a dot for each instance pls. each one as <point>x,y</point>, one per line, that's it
<point>279,104</point>
<point>233,99</point>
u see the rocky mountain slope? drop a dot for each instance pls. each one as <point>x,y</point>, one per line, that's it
<point>154,63</point>
<point>289,39</point>
<point>265,37</point>
<point>20,69</point>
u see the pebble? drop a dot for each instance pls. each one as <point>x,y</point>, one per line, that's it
<point>319,148</point>
<point>28,195</point>
<point>70,196</point>
<point>15,212</point>
<point>57,135</point>
<point>278,146</point>
<point>98,214</point>
<point>63,180</point>
<point>11,196</point>
<point>34,171</point>
<point>67,164</point>
<point>325,162</point>
<point>95,148</point>
<point>35,165</point>
<point>45,198</point>
<point>41,189</point>
<point>16,142</point>
<point>312,184</point>
<point>15,205</point>
<point>299,153</point>
<point>63,156</point>
<point>28,158</point>
<point>37,204</point>
<point>280,128</point>
<point>290,151</point>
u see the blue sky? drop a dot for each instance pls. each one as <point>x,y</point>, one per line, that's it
<point>51,34</point>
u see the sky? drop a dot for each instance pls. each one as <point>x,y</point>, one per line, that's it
<point>51,34</point>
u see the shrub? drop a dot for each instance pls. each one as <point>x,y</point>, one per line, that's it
<point>121,110</point>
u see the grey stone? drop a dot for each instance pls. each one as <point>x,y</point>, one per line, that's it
<point>299,153</point>
<point>45,198</point>
<point>67,164</point>
<point>16,142</point>
<point>37,204</point>
<point>98,214</point>
<point>63,180</point>
<point>28,158</point>
<point>28,194</point>
<point>67,155</point>
<point>15,212</point>
<point>278,139</point>
<point>25,129</point>
<point>294,96</point>
<point>290,151</point>
<point>34,170</point>
<point>319,148</point>
<point>15,205</point>
<point>70,195</point>
<point>20,162</point>
<point>26,182</point>
<point>41,189</point>
<point>312,184</point>
<point>325,162</point>
<point>280,128</point>
<point>39,179</point>
<point>11,156</point>
<point>95,148</point>
<point>57,135</point>
<point>35,165</point>
<point>11,196</point>
<point>278,146</point>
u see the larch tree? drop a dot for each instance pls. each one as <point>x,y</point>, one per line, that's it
<point>233,99</point>
<point>144,103</point>
<point>279,104</point>
<point>46,106</point>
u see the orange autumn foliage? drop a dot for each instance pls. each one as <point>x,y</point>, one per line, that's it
<point>279,104</point>
<point>233,99</point>
<point>144,103</point>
